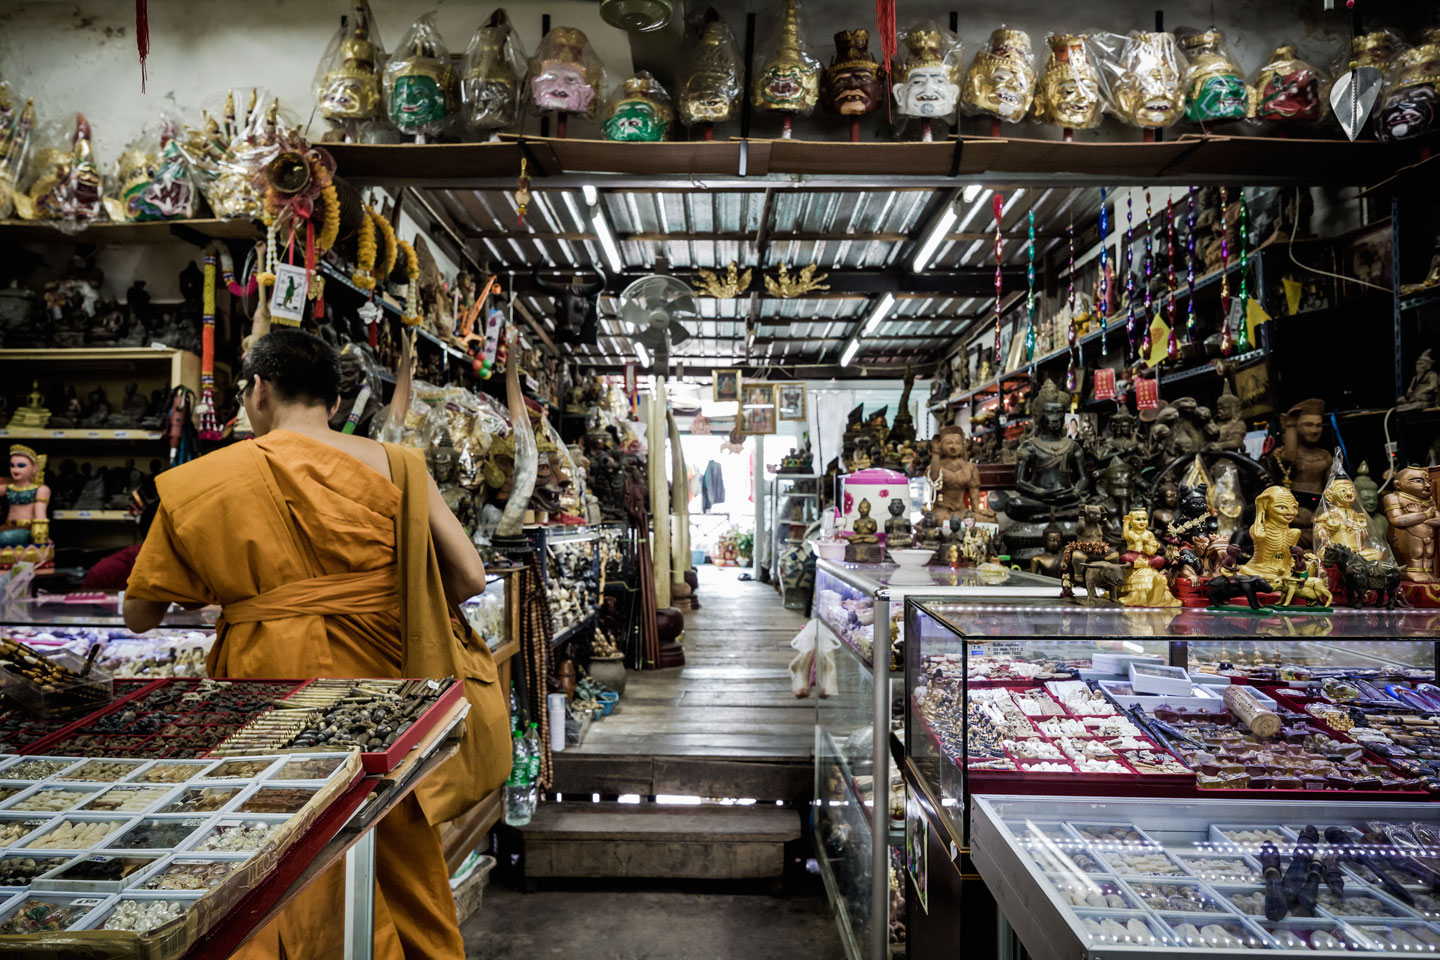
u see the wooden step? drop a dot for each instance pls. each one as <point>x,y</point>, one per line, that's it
<point>742,772</point>
<point>651,841</point>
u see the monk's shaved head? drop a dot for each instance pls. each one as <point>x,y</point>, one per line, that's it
<point>298,366</point>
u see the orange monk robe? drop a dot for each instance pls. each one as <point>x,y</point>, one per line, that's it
<point>266,515</point>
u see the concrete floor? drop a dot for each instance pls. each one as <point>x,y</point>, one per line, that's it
<point>653,922</point>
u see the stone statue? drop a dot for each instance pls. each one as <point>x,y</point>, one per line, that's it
<point>73,412</point>
<point>1367,494</point>
<point>928,530</point>
<point>1231,429</point>
<point>1115,483</point>
<point>1303,462</point>
<point>1121,439</point>
<point>956,478</point>
<point>1049,466</point>
<point>99,414</point>
<point>1424,386</point>
<point>864,544</point>
<point>1414,523</point>
<point>133,407</point>
<point>1274,539</point>
<point>1047,562</point>
<point>897,528</point>
<point>1163,514</point>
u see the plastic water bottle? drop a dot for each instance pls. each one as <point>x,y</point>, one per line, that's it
<point>532,748</point>
<point>519,792</point>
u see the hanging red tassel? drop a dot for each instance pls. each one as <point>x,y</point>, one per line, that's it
<point>885,31</point>
<point>142,36</point>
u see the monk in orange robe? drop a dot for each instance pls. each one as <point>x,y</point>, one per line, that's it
<point>300,536</point>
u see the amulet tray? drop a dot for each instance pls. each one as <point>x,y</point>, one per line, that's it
<point>186,717</point>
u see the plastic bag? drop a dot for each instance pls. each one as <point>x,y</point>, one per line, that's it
<point>788,80</point>
<point>1410,103</point>
<point>565,74</point>
<point>1068,94</point>
<point>491,75</point>
<point>854,84</point>
<point>639,111</point>
<point>1001,79</point>
<point>225,152</point>
<point>152,179</point>
<point>347,81</point>
<point>926,80</point>
<point>710,89</point>
<point>1140,77</point>
<point>1287,88</point>
<point>1340,520</point>
<point>64,180</point>
<point>418,82</point>
<point>1214,87</point>
<point>1378,49</point>
<point>16,124</point>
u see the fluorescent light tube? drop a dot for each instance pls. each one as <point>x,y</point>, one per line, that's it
<point>607,242</point>
<point>932,241</point>
<point>849,353</point>
<point>972,191</point>
<point>592,196</point>
<point>642,353</point>
<point>878,314</point>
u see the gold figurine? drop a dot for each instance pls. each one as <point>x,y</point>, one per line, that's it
<point>1274,538</point>
<point>1001,80</point>
<point>1068,94</point>
<point>789,82</point>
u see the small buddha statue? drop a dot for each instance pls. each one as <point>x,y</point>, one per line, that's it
<point>34,413</point>
<point>1168,501</point>
<point>1047,561</point>
<point>1424,386</point>
<point>1274,539</point>
<point>99,413</point>
<point>1414,523</point>
<point>864,544</point>
<point>897,528</point>
<point>1049,465</point>
<point>1231,428</point>
<point>1367,494</point>
<point>928,531</point>
<point>25,534</point>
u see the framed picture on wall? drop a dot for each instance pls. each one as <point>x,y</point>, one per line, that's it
<point>727,385</point>
<point>790,397</point>
<point>757,408</point>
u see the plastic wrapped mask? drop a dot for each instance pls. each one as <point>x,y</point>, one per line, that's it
<point>1001,81</point>
<point>790,81</point>
<point>710,93</point>
<point>925,83</point>
<point>350,89</point>
<point>1148,93</point>
<point>562,87</point>
<point>493,66</point>
<point>564,73</point>
<point>639,112</point>
<point>1214,89</point>
<point>1288,88</point>
<point>1411,107</point>
<point>1068,94</point>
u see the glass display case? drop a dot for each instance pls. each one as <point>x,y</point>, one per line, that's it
<point>1042,696</point>
<point>857,788</point>
<point>1091,878</point>
<point>795,505</point>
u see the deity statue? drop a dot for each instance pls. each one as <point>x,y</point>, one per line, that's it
<point>1424,386</point>
<point>1149,92</point>
<point>490,75</point>
<point>897,528</point>
<point>710,86</point>
<point>852,83</point>
<point>928,531</point>
<point>1414,523</point>
<point>1231,429</point>
<point>924,84</point>
<point>1304,463</point>
<point>1115,482</point>
<point>1068,94</point>
<point>1049,465</point>
<point>1288,88</point>
<point>956,478</point>
<point>1214,87</point>
<point>1274,539</point>
<point>418,81</point>
<point>25,535</point>
<point>789,82</point>
<point>349,88</point>
<point>1411,106</point>
<point>1337,521</point>
<point>1167,502</point>
<point>1001,79</point>
<point>565,73</point>
<point>864,545</point>
<point>1144,585</point>
<point>34,414</point>
<point>69,186</point>
<point>73,412</point>
<point>1367,494</point>
<point>1048,561</point>
<point>639,110</point>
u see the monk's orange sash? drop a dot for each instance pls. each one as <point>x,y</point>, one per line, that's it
<point>335,594</point>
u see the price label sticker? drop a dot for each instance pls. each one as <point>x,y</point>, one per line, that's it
<point>87,902</point>
<point>92,434</point>
<point>433,684</point>
<point>101,859</point>
<point>84,514</point>
<point>122,434</point>
<point>57,433</point>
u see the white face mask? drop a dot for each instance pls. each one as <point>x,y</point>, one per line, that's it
<point>926,92</point>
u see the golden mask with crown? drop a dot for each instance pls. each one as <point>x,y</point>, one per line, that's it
<point>1149,92</point>
<point>1068,94</point>
<point>1001,80</point>
<point>790,81</point>
<point>350,90</point>
<point>710,92</point>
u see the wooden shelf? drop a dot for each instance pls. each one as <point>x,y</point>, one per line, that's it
<point>198,232</point>
<point>77,433</point>
<point>88,354</point>
<point>111,516</point>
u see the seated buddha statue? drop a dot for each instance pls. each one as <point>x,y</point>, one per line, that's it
<point>864,544</point>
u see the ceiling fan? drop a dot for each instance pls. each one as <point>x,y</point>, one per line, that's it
<point>651,310</point>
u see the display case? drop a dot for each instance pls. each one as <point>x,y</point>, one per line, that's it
<point>1042,696</point>
<point>857,607</point>
<point>794,506</point>
<point>1092,878</point>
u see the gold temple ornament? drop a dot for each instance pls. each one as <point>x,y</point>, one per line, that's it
<point>1068,94</point>
<point>734,283</point>
<point>491,74</point>
<point>1001,79</point>
<point>347,84</point>
<point>787,287</point>
<point>15,127</point>
<point>788,82</point>
<point>418,82</point>
<point>710,88</point>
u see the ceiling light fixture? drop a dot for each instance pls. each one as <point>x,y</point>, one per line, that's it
<point>850,349</point>
<point>592,196</point>
<point>642,353</point>
<point>972,191</point>
<point>878,314</point>
<point>932,240</point>
<point>607,241</point>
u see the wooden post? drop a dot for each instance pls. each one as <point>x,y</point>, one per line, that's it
<point>1069,134</point>
<point>927,132</point>
<point>785,125</point>
<point>855,129</point>
<point>655,435</point>
<point>560,124</point>
<point>994,126</point>
<point>707,131</point>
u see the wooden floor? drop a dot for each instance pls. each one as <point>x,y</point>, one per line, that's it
<point>716,724</point>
